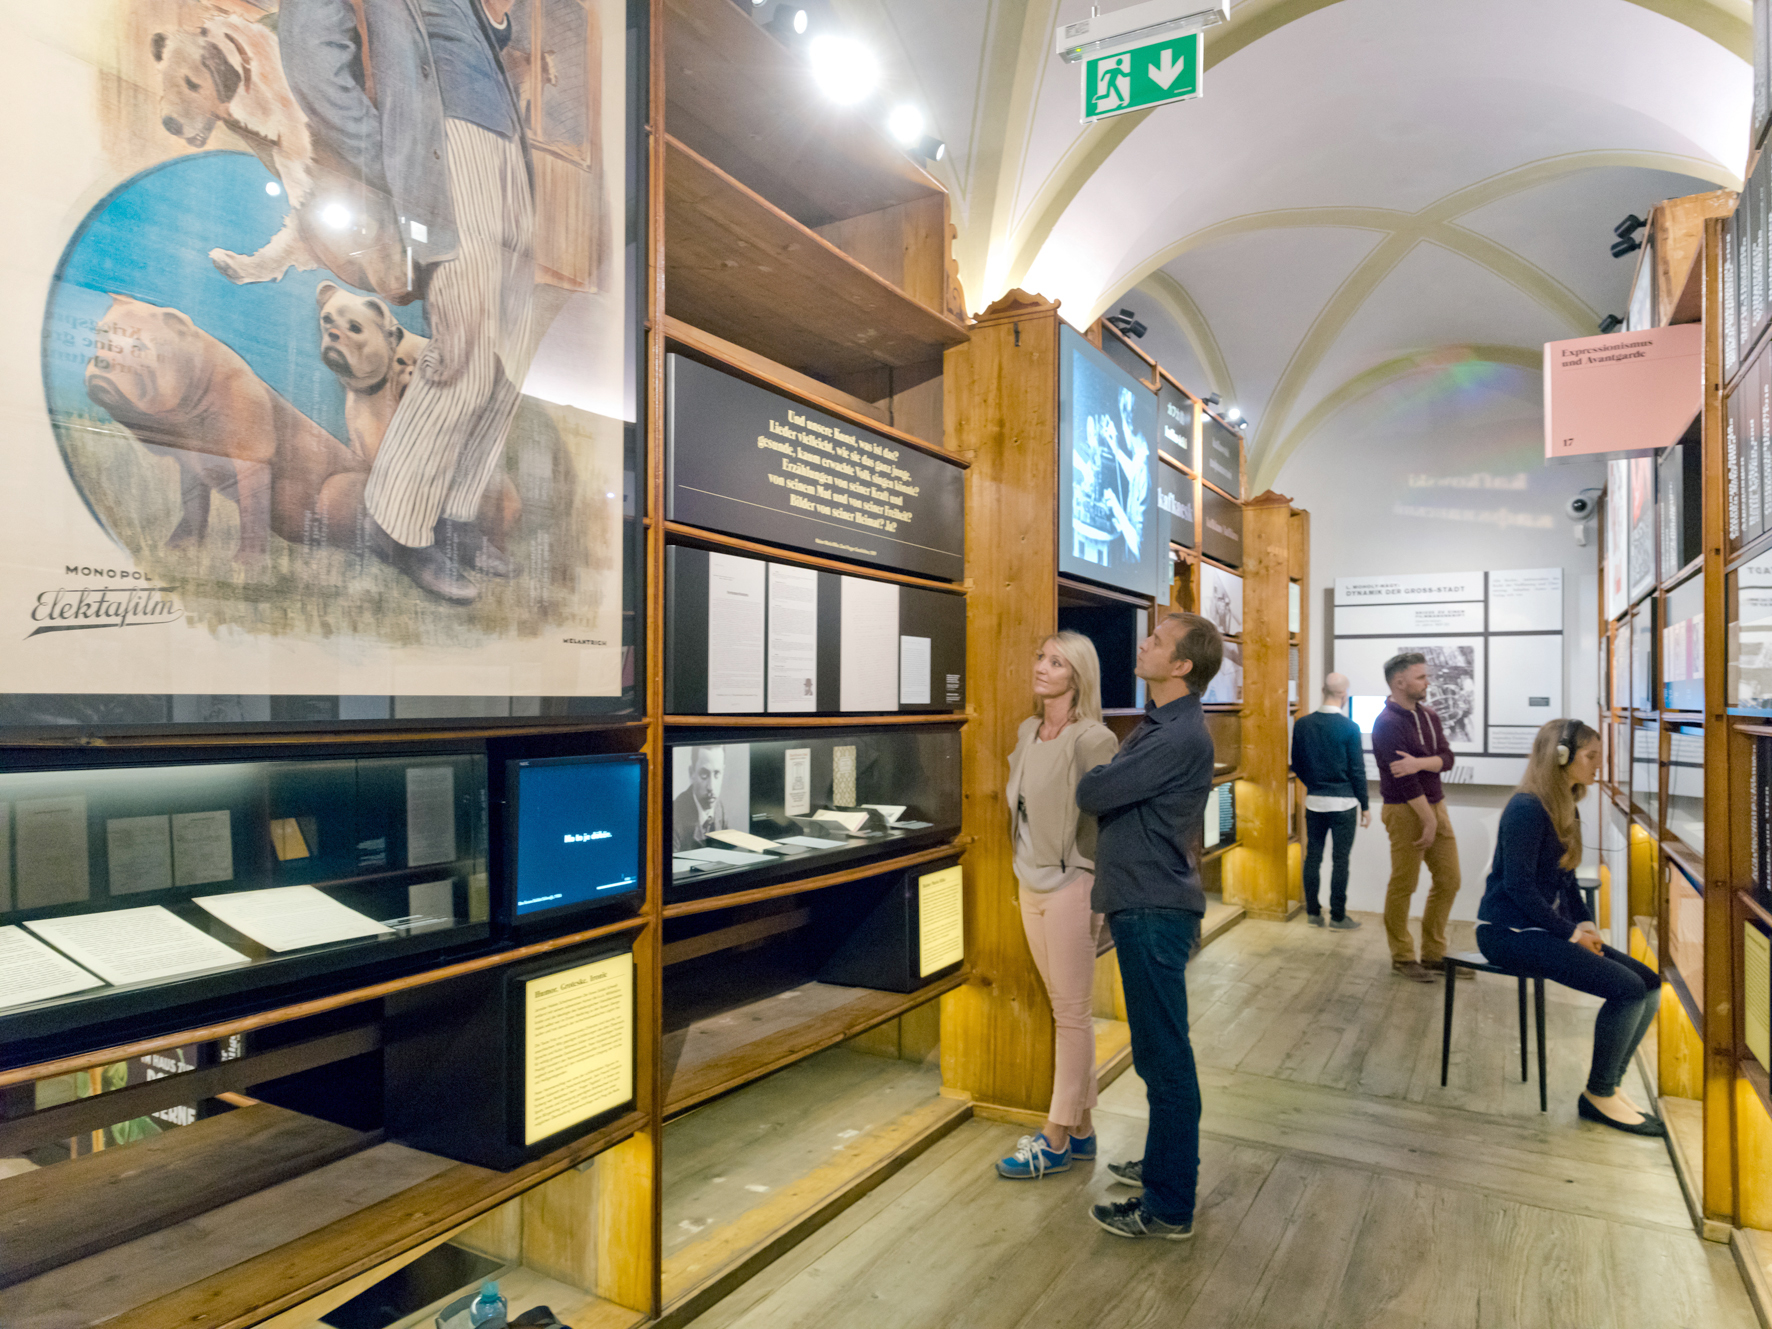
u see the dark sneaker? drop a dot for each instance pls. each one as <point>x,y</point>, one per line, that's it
<point>1083,1147</point>
<point>1130,1218</point>
<point>1128,1174</point>
<point>1315,920</point>
<point>1412,971</point>
<point>1344,924</point>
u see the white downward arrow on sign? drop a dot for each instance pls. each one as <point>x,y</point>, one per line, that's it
<point>1166,73</point>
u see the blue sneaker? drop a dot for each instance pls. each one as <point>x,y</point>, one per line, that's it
<point>1033,1158</point>
<point>1083,1147</point>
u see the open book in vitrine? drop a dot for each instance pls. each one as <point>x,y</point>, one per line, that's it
<point>151,890</point>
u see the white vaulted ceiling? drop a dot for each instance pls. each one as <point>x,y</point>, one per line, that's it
<point>1367,188</point>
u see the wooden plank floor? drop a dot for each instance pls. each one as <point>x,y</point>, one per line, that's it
<point>1340,1185</point>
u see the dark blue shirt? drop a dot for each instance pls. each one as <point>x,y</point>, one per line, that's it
<point>1326,755</point>
<point>1528,887</point>
<point>1149,803</point>
<point>470,78</point>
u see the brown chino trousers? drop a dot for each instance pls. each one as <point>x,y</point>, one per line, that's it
<point>1404,829</point>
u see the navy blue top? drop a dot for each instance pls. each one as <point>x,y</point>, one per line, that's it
<point>1527,886</point>
<point>470,78</point>
<point>1326,755</point>
<point>1150,803</point>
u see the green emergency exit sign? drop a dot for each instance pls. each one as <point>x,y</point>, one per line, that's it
<point>1145,76</point>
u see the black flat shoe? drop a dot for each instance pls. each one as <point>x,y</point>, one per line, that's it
<point>1650,1126</point>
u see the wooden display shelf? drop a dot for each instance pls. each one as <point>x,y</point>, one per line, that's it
<point>300,1010</point>
<point>682,532</point>
<point>744,270</point>
<point>341,737</point>
<point>779,378</point>
<point>740,98</point>
<point>289,1244</point>
<point>721,1052</point>
<point>750,1176</point>
<point>778,890</point>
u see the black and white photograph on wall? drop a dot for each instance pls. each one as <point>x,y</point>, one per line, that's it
<point>1456,682</point>
<point>1221,599</point>
<point>710,791</point>
<point>1226,688</point>
<point>1108,524</point>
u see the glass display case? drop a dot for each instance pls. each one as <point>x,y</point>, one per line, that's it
<point>1682,647</point>
<point>1645,768</point>
<point>750,808</point>
<point>1226,729</point>
<point>141,888</point>
<point>1642,658</point>
<point>1620,680</point>
<point>1750,636</point>
<point>1685,784</point>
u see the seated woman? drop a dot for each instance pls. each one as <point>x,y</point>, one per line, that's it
<point>1533,921</point>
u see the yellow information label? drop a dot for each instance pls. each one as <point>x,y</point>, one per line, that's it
<point>1756,982</point>
<point>941,921</point>
<point>578,1045</point>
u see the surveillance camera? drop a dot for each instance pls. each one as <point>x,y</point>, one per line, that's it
<point>1582,507</point>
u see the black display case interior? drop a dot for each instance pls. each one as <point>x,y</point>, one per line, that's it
<point>749,808</point>
<point>158,888</point>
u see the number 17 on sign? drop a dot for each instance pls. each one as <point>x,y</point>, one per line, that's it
<point>1145,76</point>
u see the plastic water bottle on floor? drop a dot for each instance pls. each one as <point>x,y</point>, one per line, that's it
<point>488,1307</point>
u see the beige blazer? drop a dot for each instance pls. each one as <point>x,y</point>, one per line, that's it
<point>1057,832</point>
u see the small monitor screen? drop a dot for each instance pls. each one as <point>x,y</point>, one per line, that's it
<point>576,829</point>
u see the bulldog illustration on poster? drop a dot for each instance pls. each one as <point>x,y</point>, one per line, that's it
<point>336,351</point>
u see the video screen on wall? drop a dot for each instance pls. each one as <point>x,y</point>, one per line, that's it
<point>577,831</point>
<point>1108,520</point>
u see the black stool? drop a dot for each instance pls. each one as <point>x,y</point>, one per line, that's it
<point>1474,960</point>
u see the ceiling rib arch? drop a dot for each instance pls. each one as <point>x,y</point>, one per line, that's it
<point>1173,299</point>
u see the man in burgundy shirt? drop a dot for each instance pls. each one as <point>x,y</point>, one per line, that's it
<point>1412,753</point>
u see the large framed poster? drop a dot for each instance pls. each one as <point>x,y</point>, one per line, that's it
<point>335,393</point>
<point>1494,648</point>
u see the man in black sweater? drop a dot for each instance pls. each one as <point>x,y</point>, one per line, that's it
<point>1326,756</point>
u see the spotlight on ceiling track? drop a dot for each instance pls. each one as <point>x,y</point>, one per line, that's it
<point>1127,322</point>
<point>1628,245</point>
<point>1611,323</point>
<point>1629,226</point>
<point>1211,399</point>
<point>843,68</point>
<point>787,24</point>
<point>906,125</point>
<point>932,149</point>
<point>1233,415</point>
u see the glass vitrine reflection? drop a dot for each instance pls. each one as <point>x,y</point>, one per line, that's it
<point>1685,784</point>
<point>1750,636</point>
<point>1645,768</point>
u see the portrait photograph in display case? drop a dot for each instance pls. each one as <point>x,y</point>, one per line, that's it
<point>1221,599</point>
<point>710,791</point>
<point>340,388</point>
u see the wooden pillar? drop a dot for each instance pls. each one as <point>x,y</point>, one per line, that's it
<point>1001,414</point>
<point>1720,800</point>
<point>1260,875</point>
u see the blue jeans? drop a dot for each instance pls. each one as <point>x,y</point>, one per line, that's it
<point>1631,990</point>
<point>1318,826</point>
<point>1154,946</point>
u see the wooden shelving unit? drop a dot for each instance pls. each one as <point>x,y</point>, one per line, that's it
<point>790,243</point>
<point>1688,880</point>
<point>1002,412</point>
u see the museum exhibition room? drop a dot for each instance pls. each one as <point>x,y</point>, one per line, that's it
<point>746,664</point>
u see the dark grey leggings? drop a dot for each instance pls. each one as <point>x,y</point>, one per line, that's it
<point>1632,991</point>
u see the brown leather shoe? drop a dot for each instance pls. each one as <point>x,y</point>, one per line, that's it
<point>1411,970</point>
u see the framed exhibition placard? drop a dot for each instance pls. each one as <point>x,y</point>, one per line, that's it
<point>1494,648</point>
<point>335,396</point>
<point>742,459</point>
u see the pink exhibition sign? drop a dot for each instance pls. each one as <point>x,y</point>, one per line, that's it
<point>1622,392</point>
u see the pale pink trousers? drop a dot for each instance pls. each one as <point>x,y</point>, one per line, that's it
<point>1061,934</point>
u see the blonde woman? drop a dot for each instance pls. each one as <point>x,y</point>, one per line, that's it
<point>1533,921</point>
<point>1055,869</point>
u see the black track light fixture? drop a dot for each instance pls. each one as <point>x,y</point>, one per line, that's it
<point>1127,322</point>
<point>1211,399</point>
<point>1629,227</point>
<point>1629,245</point>
<point>788,24</point>
<point>1611,323</point>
